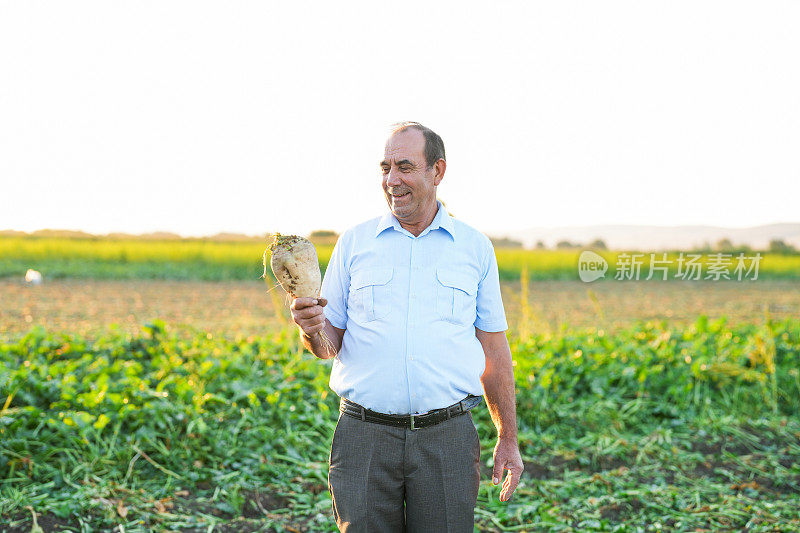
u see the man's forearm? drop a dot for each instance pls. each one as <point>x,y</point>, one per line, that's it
<point>316,345</point>
<point>498,383</point>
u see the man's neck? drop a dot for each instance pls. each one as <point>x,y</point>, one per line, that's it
<point>418,227</point>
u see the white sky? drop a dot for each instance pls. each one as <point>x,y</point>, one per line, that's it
<point>250,117</point>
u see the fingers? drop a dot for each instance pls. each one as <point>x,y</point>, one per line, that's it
<point>308,314</point>
<point>507,458</point>
<point>316,320</point>
<point>304,303</point>
<point>306,318</point>
<point>313,329</point>
<point>510,484</point>
<point>306,307</point>
<point>497,471</point>
<point>301,303</point>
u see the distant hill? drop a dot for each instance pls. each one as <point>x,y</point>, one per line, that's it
<point>12,233</point>
<point>505,242</point>
<point>632,237</point>
<point>613,237</point>
<point>62,233</point>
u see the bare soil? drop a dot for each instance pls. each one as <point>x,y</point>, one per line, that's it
<point>244,308</point>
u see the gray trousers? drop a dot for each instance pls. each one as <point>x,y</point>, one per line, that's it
<point>390,479</point>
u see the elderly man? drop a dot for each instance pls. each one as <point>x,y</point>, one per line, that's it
<point>417,326</point>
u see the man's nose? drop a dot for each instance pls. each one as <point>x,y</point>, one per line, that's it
<point>393,179</point>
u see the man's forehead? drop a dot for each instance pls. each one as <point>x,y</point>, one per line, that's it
<point>408,144</point>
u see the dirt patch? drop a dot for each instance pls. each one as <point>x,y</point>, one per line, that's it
<point>769,438</point>
<point>189,505</point>
<point>22,523</point>
<point>239,308</point>
<point>238,526</point>
<point>243,525</point>
<point>777,486</point>
<point>249,521</point>
<point>537,471</point>
<point>257,504</point>
<point>740,477</point>
<point>315,488</point>
<point>612,462</point>
<point>720,446</point>
<point>244,307</point>
<point>558,465</point>
<point>705,469</point>
<point>617,512</point>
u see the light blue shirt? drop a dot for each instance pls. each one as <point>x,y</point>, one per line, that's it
<point>409,307</point>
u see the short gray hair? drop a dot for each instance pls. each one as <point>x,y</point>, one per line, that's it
<point>434,146</point>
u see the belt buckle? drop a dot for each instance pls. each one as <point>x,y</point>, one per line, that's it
<point>411,416</point>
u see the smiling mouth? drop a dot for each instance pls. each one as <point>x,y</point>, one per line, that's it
<point>400,195</point>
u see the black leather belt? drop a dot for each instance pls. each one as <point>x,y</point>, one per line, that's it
<point>430,418</point>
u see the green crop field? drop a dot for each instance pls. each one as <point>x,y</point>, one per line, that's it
<point>217,261</point>
<point>693,429</point>
<point>641,406</point>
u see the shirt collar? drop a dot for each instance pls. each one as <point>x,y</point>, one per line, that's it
<point>442,220</point>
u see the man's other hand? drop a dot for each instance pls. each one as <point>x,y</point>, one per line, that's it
<point>308,314</point>
<point>507,457</point>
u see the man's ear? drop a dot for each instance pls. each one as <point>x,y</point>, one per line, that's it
<point>439,167</point>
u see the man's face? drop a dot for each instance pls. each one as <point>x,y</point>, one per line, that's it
<point>409,186</point>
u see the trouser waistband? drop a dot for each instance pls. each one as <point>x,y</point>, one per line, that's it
<point>408,420</point>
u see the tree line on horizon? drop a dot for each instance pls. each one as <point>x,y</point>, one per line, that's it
<point>328,237</point>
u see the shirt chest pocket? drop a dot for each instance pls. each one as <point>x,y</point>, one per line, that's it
<point>456,294</point>
<point>370,293</point>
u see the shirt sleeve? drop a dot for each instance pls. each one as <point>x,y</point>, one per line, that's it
<point>491,316</point>
<point>336,286</point>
